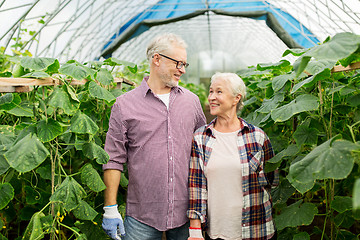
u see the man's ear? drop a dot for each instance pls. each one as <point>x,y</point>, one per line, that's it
<point>155,59</point>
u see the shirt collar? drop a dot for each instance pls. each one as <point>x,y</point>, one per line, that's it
<point>243,125</point>
<point>144,87</point>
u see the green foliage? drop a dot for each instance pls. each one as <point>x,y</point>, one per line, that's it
<point>52,140</point>
<point>52,148</point>
<point>312,118</point>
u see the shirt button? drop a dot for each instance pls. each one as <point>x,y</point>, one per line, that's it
<point>171,179</point>
<point>170,158</point>
<point>169,137</point>
<point>243,225</point>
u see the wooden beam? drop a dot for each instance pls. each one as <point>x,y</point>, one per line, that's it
<point>351,67</point>
<point>26,84</point>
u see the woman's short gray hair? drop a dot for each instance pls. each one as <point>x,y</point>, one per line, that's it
<point>236,85</point>
<point>162,43</point>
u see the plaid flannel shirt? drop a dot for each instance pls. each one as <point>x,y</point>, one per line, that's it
<point>254,150</point>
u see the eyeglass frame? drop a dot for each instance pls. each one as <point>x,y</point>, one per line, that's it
<point>179,64</point>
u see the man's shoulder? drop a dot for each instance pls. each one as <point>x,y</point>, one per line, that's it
<point>187,92</point>
<point>130,95</point>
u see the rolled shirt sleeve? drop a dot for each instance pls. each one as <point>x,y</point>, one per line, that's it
<point>116,140</point>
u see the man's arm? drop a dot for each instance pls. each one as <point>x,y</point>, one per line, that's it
<point>112,181</point>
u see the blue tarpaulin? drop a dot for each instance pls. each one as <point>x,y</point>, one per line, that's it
<point>288,29</point>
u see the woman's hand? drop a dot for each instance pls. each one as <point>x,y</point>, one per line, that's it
<point>195,231</point>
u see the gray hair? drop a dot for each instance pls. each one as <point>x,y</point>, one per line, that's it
<point>163,43</point>
<point>236,85</point>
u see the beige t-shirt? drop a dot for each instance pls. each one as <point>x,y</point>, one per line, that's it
<point>224,182</point>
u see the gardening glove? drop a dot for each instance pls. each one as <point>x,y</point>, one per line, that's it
<point>195,234</point>
<point>112,222</point>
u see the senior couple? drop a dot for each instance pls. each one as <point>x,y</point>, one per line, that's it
<point>189,179</point>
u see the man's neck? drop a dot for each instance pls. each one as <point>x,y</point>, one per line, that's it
<point>157,86</point>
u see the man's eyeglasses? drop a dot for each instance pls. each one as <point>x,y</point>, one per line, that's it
<point>179,64</point>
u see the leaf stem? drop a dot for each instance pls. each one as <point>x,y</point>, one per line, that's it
<point>78,234</point>
<point>351,130</point>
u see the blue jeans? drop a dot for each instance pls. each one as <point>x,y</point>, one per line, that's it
<point>135,230</point>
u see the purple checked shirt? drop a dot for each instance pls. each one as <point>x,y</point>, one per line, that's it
<point>155,143</point>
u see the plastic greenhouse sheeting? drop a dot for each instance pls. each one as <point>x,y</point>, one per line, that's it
<point>287,28</point>
<point>223,35</point>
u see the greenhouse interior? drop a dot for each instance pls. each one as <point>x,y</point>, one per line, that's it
<point>63,64</point>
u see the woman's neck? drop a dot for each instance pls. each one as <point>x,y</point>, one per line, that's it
<point>227,123</point>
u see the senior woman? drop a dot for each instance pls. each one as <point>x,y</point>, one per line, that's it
<point>228,188</point>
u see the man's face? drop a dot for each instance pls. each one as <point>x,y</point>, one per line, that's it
<point>169,73</point>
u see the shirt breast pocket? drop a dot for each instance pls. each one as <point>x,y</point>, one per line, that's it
<point>255,161</point>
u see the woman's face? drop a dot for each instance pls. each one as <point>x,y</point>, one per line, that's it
<point>222,101</point>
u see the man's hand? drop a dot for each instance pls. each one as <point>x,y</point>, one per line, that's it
<point>112,222</point>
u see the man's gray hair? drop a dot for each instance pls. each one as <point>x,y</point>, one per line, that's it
<point>164,42</point>
<point>236,85</point>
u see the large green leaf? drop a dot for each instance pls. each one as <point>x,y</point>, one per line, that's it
<point>332,159</point>
<point>281,193</point>
<point>92,231</point>
<point>354,100</point>
<point>34,229</point>
<point>7,98</point>
<point>23,110</point>
<point>9,101</point>
<point>91,178</point>
<point>341,204</point>
<point>302,236</point>
<point>7,135</point>
<point>279,65</point>
<point>60,99</point>
<point>26,154</point>
<point>99,92</point>
<point>6,194</point>
<point>270,104</point>
<point>104,76</point>
<point>124,182</point>
<point>37,63</point>
<point>290,151</point>
<point>83,124</point>
<point>356,195</point>
<point>296,215</point>
<point>279,81</point>
<point>76,70</point>
<point>93,151</point>
<point>305,135</point>
<point>4,165</point>
<point>302,103</point>
<point>84,211</point>
<point>69,193</point>
<point>36,74</point>
<point>114,62</point>
<point>48,129</point>
<point>312,80</point>
<point>340,46</point>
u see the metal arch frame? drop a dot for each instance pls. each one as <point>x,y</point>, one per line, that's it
<point>119,13</point>
<point>16,23</point>
<point>76,33</point>
<point>66,26</point>
<point>58,10</point>
<point>323,19</point>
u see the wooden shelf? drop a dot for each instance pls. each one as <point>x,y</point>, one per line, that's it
<point>27,84</point>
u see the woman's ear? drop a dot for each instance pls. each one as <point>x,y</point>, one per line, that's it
<point>238,98</point>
